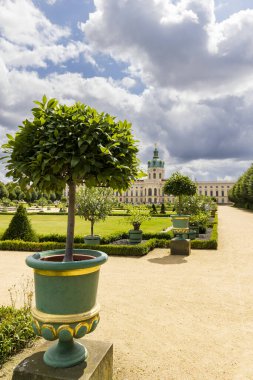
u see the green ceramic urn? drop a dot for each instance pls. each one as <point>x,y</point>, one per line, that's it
<point>180,225</point>
<point>92,239</point>
<point>135,236</point>
<point>65,299</point>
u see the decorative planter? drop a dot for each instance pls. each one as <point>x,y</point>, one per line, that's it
<point>180,224</point>
<point>65,296</point>
<point>135,236</point>
<point>92,240</point>
<point>194,227</point>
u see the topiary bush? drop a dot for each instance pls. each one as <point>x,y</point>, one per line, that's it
<point>20,227</point>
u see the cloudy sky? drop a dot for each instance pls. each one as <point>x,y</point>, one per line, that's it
<point>181,71</point>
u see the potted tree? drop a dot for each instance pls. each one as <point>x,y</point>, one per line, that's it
<point>94,204</point>
<point>69,146</point>
<point>180,185</point>
<point>137,215</point>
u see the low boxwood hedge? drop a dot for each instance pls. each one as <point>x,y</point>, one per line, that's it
<point>16,331</point>
<point>110,249</point>
<point>156,240</point>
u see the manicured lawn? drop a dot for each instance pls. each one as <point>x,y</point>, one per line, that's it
<point>48,224</point>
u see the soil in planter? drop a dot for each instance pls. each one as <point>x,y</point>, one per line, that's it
<point>59,258</point>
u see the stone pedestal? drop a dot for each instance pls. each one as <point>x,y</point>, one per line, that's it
<point>180,247</point>
<point>99,365</point>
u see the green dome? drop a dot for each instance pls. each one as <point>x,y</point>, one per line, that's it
<point>156,162</point>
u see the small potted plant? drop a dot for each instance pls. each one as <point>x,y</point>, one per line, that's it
<point>94,204</point>
<point>137,215</point>
<point>69,145</point>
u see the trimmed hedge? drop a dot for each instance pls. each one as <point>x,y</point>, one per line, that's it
<point>121,250</point>
<point>80,239</point>
<point>160,235</point>
<point>156,240</point>
<point>16,331</point>
<point>106,239</point>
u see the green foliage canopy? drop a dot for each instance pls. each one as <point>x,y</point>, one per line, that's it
<point>71,143</point>
<point>3,191</point>
<point>242,191</point>
<point>179,184</point>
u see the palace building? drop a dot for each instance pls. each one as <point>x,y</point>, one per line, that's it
<point>150,189</point>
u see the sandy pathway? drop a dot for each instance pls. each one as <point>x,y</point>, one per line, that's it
<point>176,318</point>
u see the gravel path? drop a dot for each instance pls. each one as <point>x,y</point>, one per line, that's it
<point>172,317</point>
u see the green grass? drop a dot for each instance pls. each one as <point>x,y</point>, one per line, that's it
<point>48,224</point>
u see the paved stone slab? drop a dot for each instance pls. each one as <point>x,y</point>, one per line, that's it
<point>99,365</point>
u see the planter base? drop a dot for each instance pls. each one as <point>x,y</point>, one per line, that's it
<point>65,354</point>
<point>99,364</point>
<point>180,247</point>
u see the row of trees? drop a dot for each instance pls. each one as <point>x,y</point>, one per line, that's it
<point>242,192</point>
<point>12,192</point>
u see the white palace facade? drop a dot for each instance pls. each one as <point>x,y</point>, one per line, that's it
<point>150,189</point>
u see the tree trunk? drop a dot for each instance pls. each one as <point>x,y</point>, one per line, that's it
<point>179,204</point>
<point>71,222</point>
<point>92,227</point>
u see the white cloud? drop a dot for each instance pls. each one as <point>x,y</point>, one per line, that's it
<point>177,45</point>
<point>197,73</point>
<point>33,41</point>
<point>23,24</point>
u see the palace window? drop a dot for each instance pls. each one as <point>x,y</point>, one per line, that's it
<point>155,192</point>
<point>150,192</point>
<point>154,175</point>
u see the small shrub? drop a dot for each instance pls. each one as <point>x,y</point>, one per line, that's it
<point>20,227</point>
<point>163,210</point>
<point>16,331</point>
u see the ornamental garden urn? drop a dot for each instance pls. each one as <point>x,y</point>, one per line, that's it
<point>65,299</point>
<point>180,224</point>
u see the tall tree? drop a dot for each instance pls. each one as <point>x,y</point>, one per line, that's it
<point>71,145</point>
